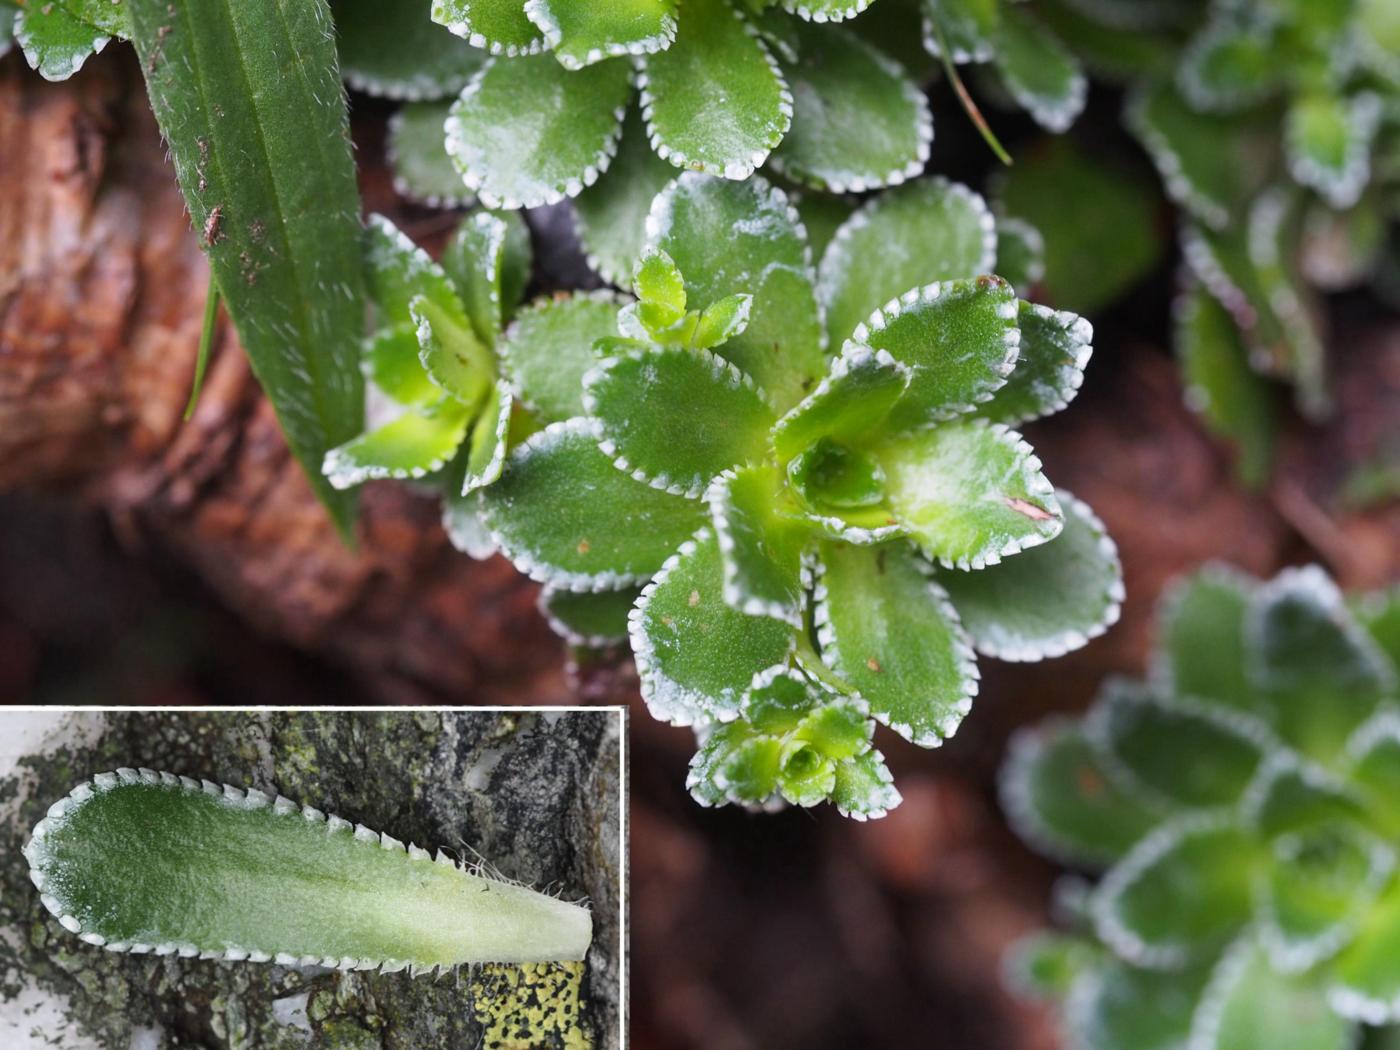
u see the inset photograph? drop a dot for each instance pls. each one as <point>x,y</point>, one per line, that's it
<point>275,879</point>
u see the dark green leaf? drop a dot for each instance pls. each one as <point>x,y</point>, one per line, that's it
<point>1055,348</point>
<point>548,348</point>
<point>761,538</point>
<point>1039,72</point>
<point>423,172</point>
<point>592,620</point>
<point>582,32</point>
<point>499,26</point>
<point>388,48</point>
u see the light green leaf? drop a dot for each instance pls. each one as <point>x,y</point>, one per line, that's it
<point>970,493</point>
<point>715,101</point>
<point>488,261</point>
<point>1379,612</point>
<point>1046,601</point>
<point>1054,350</point>
<point>450,352</point>
<point>110,16</point>
<point>843,490</point>
<point>1328,140</point>
<point>391,361</point>
<point>930,230</point>
<point>959,339</point>
<point>722,321</point>
<point>822,214</point>
<point>859,121</point>
<point>779,699</point>
<point>423,172</point>
<point>1201,652</point>
<point>887,628</point>
<point>676,418</point>
<point>1292,795</point>
<point>499,26</point>
<point>1373,767</point>
<point>864,787</point>
<point>1061,797</point>
<point>735,765</point>
<point>592,620</point>
<point>660,289</point>
<point>269,181</point>
<point>461,520</point>
<point>611,214</point>
<point>1020,253</point>
<point>528,132</point>
<point>564,515</point>
<point>1232,61</point>
<point>1120,1007</point>
<point>582,32</point>
<point>761,537</point>
<point>486,455</point>
<point>548,349</point>
<point>398,271</point>
<point>415,445</point>
<point>1365,978</point>
<point>1039,72</point>
<point>697,655</point>
<point>1249,1005</point>
<point>1146,737</point>
<point>1180,894</point>
<point>858,392</point>
<point>54,42</point>
<point>729,238</point>
<point>387,48</point>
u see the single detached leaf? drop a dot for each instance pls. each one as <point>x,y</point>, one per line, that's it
<point>887,628</point>
<point>959,339</point>
<point>548,349</point>
<point>488,261</point>
<point>611,214</point>
<point>1366,975</point>
<point>55,43</point>
<point>582,32</point>
<point>387,48</point>
<point>1201,652</point>
<point>1328,139</point>
<point>1060,796</point>
<point>591,620</point>
<point>271,185</point>
<point>1054,349</point>
<point>761,538</point>
<point>930,230</point>
<point>746,238</point>
<point>1249,1005</point>
<point>1121,1007</point>
<point>1180,893</point>
<point>423,171</point>
<point>1039,72</point>
<point>528,132</point>
<point>676,418</point>
<point>858,392</point>
<point>715,101</point>
<point>564,515</point>
<point>970,493</point>
<point>859,121</point>
<point>138,861</point>
<point>418,443</point>
<point>696,654</point>
<point>499,26</point>
<point>1047,601</point>
<point>863,788</point>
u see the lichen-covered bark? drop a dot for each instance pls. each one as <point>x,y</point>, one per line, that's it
<point>536,794</point>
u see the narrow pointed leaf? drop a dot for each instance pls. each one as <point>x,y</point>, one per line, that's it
<point>271,185</point>
<point>54,42</point>
<point>762,540</point>
<point>498,26</point>
<point>729,238</point>
<point>676,418</point>
<point>697,655</point>
<point>889,630</point>
<point>423,172</point>
<point>930,230</point>
<point>858,392</point>
<point>859,121</point>
<point>387,48</point>
<point>527,132</point>
<point>548,349</point>
<point>1053,352</point>
<point>415,445</point>
<point>1046,601</point>
<point>1039,72</point>
<point>715,101</point>
<point>581,32</point>
<point>1249,1005</point>
<point>969,493</point>
<point>566,516</point>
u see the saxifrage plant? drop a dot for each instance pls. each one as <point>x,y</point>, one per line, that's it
<point>144,862</point>
<point>1244,802</point>
<point>797,541</point>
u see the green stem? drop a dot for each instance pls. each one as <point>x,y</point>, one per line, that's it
<point>969,107</point>
<point>206,341</point>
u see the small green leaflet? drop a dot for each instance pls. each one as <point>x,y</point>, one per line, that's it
<point>54,42</point>
<point>499,26</point>
<point>582,32</point>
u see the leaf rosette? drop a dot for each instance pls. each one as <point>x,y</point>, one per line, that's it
<point>1254,885</point>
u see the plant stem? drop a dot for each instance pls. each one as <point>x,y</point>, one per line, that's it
<point>206,340</point>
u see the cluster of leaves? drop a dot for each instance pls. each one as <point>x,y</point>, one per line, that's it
<point>1244,800</point>
<point>796,542</point>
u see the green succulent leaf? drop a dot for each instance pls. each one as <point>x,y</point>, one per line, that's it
<point>592,620</point>
<point>527,132</point>
<point>722,321</point>
<point>731,237</point>
<point>486,452</point>
<point>449,350</point>
<point>1231,62</point>
<point>548,349</point>
<point>969,493</point>
<point>762,539</point>
<point>889,630</point>
<point>416,444</point>
<point>616,537</point>
<point>779,699</point>
<point>423,172</point>
<point>1328,139</point>
<point>488,261</point>
<point>1180,894</point>
<point>398,272</point>
<point>660,289</point>
<point>967,27</point>
<point>581,32</point>
<point>1201,652</point>
<point>1041,74</point>
<point>1373,767</point>
<point>110,16</point>
<point>1047,601</point>
<point>1365,977</point>
<point>498,26</point>
<point>1054,350</point>
<point>461,520</point>
<point>715,100</point>
<point>391,361</point>
<point>859,391</point>
<point>822,214</point>
<point>1060,796</point>
<point>55,43</point>
<point>927,231</point>
<point>1379,613</point>
<point>1292,796</point>
<point>825,10</point>
<point>611,214</point>
<point>959,339</point>
<point>734,765</point>
<point>696,654</point>
<point>859,121</point>
<point>676,418</point>
<point>1020,253</point>
<point>1121,1007</point>
<point>1250,1005</point>
<point>387,48</point>
<point>863,788</point>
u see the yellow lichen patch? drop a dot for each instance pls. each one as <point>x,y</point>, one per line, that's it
<point>529,1006</point>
